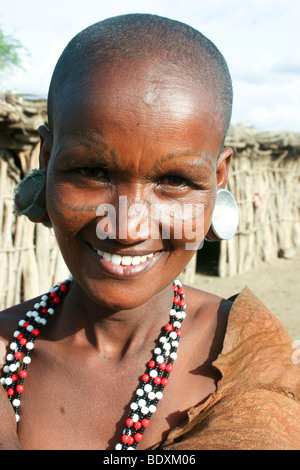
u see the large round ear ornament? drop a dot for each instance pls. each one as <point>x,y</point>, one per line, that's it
<point>225,217</point>
<point>30,197</point>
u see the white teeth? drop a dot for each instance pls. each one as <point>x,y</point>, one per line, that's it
<point>107,256</point>
<point>116,259</point>
<point>124,260</point>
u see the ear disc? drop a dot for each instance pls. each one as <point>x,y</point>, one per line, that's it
<point>30,197</point>
<point>225,217</point>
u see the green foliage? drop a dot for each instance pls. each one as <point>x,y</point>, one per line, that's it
<point>10,49</point>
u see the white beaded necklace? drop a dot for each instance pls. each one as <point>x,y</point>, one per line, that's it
<point>153,381</point>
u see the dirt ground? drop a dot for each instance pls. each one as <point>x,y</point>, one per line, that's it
<point>277,285</point>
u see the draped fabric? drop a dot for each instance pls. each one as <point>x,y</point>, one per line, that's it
<point>256,405</point>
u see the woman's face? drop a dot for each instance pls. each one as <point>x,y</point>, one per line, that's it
<point>132,173</point>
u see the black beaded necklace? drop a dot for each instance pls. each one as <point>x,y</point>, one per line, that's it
<point>153,381</point>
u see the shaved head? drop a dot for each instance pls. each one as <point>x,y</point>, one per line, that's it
<point>131,40</point>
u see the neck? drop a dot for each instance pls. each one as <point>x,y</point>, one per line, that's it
<point>113,333</point>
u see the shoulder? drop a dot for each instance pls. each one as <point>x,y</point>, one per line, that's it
<point>205,327</point>
<point>257,401</point>
<point>253,339</point>
<point>258,350</point>
<point>203,305</point>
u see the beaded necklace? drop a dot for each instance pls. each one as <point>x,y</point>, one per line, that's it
<point>153,381</point>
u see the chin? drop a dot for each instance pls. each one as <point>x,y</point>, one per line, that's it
<point>115,295</point>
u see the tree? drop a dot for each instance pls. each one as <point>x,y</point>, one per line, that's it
<point>10,49</point>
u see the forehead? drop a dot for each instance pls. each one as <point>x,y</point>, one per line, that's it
<point>149,101</point>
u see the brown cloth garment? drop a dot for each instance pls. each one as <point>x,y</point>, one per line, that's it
<point>257,402</point>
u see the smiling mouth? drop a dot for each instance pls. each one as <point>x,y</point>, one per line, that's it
<point>125,260</point>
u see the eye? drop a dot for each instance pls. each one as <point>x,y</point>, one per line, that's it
<point>94,173</point>
<point>174,181</point>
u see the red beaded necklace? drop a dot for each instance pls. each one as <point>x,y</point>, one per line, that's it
<point>153,381</point>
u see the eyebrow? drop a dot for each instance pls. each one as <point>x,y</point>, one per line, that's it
<point>200,159</point>
<point>87,137</point>
<point>81,138</point>
<point>88,141</point>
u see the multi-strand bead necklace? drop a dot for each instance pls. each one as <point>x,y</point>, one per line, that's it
<point>153,381</point>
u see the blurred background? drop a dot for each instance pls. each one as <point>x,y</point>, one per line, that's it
<point>260,41</point>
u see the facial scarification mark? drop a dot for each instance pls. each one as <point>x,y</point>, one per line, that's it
<point>80,208</point>
<point>74,208</point>
<point>201,164</point>
<point>96,145</point>
<point>116,158</point>
<point>84,138</point>
<point>199,155</point>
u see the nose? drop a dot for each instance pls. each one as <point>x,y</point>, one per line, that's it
<point>133,220</point>
<point>127,221</point>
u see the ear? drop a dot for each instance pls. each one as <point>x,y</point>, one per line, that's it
<point>45,149</point>
<point>44,157</point>
<point>223,166</point>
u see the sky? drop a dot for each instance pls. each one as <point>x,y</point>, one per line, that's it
<point>260,40</point>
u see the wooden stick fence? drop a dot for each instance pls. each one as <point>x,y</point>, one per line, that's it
<point>30,261</point>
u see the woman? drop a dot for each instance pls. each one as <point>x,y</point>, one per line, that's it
<point>139,107</point>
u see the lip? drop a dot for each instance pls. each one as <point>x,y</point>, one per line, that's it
<point>125,272</point>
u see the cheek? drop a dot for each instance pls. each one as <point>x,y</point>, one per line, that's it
<point>69,208</point>
<point>187,225</point>
<point>69,215</point>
